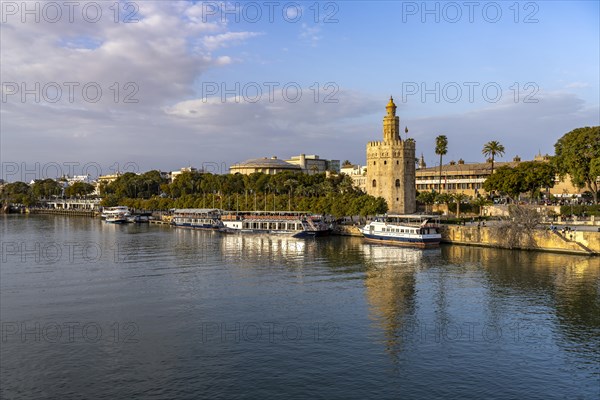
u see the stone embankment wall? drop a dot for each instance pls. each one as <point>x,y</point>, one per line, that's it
<point>578,242</point>
<point>346,230</point>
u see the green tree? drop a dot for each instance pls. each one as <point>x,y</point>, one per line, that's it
<point>427,198</point>
<point>481,202</point>
<point>441,149</point>
<point>45,188</point>
<point>508,181</point>
<point>536,175</point>
<point>493,149</point>
<point>459,197</point>
<point>577,153</point>
<point>444,198</point>
<point>79,189</point>
<point>17,193</point>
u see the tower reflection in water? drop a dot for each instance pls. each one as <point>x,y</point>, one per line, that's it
<point>490,299</point>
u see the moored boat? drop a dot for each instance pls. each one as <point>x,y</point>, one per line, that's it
<point>139,218</point>
<point>112,211</point>
<point>405,230</point>
<point>198,218</point>
<point>121,218</point>
<point>291,223</point>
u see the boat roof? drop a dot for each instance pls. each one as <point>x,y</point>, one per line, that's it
<point>411,216</point>
<point>269,212</point>
<point>195,210</point>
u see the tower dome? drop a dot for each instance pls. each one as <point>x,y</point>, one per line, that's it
<point>391,107</point>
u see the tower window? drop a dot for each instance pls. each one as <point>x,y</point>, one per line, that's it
<point>374,183</point>
<point>385,163</point>
<point>374,162</point>
<point>397,162</point>
<point>397,182</point>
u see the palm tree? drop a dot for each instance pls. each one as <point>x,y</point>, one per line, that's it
<point>426,198</point>
<point>480,202</point>
<point>459,197</point>
<point>441,148</point>
<point>492,149</point>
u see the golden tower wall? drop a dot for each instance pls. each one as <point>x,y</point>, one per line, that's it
<point>391,167</point>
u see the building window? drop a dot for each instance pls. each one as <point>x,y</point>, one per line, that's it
<point>397,182</point>
<point>385,163</point>
<point>374,162</point>
<point>374,183</point>
<point>397,162</point>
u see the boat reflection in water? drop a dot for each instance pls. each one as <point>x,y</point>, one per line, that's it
<point>268,249</point>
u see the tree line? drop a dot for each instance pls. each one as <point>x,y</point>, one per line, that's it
<point>286,191</point>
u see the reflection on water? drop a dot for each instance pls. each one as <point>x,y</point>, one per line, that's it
<point>488,299</point>
<point>375,321</point>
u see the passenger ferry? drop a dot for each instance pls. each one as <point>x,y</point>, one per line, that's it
<point>112,211</point>
<point>120,218</point>
<point>199,218</point>
<point>407,230</point>
<point>292,223</point>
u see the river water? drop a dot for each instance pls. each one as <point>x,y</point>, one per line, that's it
<point>93,310</point>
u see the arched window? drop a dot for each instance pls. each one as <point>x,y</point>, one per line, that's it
<point>397,182</point>
<point>374,162</point>
<point>385,163</point>
<point>374,183</point>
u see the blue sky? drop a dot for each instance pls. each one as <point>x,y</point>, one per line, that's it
<point>374,50</point>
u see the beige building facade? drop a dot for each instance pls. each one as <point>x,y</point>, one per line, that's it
<point>391,166</point>
<point>468,178</point>
<point>269,166</point>
<point>358,174</point>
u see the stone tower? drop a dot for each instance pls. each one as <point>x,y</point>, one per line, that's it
<point>391,166</point>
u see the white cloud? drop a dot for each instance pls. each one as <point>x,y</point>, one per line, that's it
<point>227,39</point>
<point>577,85</point>
<point>523,129</point>
<point>310,34</point>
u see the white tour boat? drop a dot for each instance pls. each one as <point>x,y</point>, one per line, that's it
<point>407,230</point>
<point>121,218</point>
<point>291,223</point>
<point>199,218</point>
<point>112,211</point>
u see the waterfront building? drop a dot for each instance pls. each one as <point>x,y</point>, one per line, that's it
<point>358,174</point>
<point>312,164</point>
<point>468,178</point>
<point>391,166</point>
<point>458,177</point>
<point>269,166</point>
<point>106,179</point>
<point>175,174</point>
<point>77,178</point>
<point>103,181</point>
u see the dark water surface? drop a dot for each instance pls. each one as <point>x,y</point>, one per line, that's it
<point>93,310</point>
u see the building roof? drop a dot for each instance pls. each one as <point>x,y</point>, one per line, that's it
<point>482,168</point>
<point>265,162</point>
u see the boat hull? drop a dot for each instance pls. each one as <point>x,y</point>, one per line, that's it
<point>402,241</point>
<point>294,234</point>
<point>195,226</point>
<point>116,221</point>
